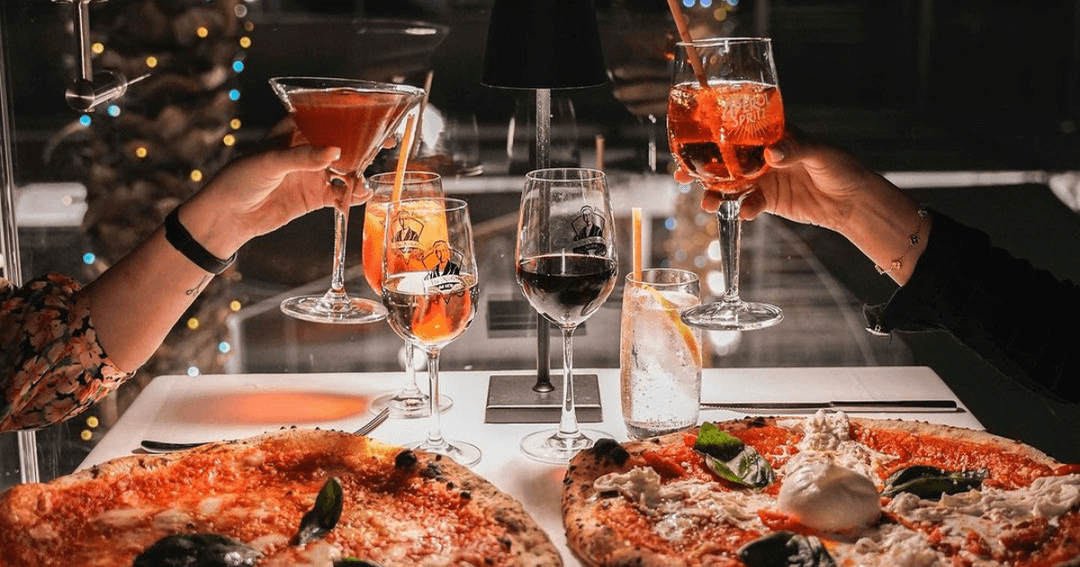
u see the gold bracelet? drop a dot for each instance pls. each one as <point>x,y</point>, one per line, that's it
<point>913,241</point>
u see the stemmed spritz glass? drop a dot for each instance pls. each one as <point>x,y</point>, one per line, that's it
<point>724,108</point>
<point>430,289</point>
<point>409,401</point>
<point>357,117</point>
<point>566,266</point>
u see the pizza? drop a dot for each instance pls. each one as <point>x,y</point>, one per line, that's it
<point>824,490</point>
<point>290,498</point>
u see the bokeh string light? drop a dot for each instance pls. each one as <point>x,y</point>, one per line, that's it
<point>149,150</point>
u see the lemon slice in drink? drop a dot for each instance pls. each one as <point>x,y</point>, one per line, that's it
<point>673,313</point>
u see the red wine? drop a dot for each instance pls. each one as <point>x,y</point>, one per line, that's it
<point>566,289</point>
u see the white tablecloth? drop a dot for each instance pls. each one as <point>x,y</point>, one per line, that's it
<point>185,408</point>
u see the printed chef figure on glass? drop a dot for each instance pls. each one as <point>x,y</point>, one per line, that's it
<point>444,270</point>
<point>589,233</point>
<point>440,261</point>
<point>407,231</point>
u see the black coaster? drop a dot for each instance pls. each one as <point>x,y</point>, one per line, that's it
<point>511,399</point>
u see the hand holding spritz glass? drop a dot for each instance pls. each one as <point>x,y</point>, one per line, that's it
<point>723,110</point>
<point>430,289</point>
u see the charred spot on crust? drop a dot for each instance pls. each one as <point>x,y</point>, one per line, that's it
<point>756,422</point>
<point>405,460</point>
<point>609,450</point>
<point>465,495</point>
<point>433,470</point>
<point>505,541</point>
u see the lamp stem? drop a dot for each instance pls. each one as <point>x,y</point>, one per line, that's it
<point>543,336</point>
<point>543,128</point>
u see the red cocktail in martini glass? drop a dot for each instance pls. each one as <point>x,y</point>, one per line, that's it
<point>356,116</point>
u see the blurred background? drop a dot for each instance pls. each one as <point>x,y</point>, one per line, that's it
<point>972,106</point>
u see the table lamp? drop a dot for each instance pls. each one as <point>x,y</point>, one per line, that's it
<point>540,45</point>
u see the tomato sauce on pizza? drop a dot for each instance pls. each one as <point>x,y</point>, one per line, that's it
<point>916,493</point>
<point>390,505</point>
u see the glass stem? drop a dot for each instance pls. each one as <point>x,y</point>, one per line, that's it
<point>28,461</point>
<point>727,217</point>
<point>412,390</point>
<point>337,277</point>
<point>435,437</point>
<point>568,423</point>
<point>652,142</point>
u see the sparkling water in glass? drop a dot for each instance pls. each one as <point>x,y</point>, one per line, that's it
<point>660,356</point>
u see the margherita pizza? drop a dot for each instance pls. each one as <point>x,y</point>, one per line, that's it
<point>822,491</point>
<point>292,498</point>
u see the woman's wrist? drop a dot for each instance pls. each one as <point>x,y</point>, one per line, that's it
<point>211,227</point>
<point>890,228</point>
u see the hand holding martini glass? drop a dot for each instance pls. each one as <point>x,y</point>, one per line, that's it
<point>356,116</point>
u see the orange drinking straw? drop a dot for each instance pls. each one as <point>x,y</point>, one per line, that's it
<point>403,158</point>
<point>637,243</point>
<point>691,51</point>
<point>685,332</point>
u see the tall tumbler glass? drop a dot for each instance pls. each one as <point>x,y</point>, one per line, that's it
<point>659,354</point>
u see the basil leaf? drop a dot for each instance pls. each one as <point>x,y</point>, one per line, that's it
<point>785,549</point>
<point>931,483</point>
<point>714,441</point>
<point>324,516</point>
<point>731,459</point>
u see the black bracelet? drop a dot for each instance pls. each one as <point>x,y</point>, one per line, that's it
<point>184,243</point>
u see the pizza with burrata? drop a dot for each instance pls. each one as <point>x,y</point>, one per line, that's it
<point>824,490</point>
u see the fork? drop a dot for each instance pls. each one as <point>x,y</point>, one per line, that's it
<point>153,446</point>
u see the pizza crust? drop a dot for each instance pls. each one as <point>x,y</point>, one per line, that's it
<point>597,544</point>
<point>26,511</point>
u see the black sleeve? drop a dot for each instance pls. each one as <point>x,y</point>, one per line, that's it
<point>1021,320</point>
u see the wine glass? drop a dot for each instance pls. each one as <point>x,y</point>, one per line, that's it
<point>566,266</point>
<point>410,401</point>
<point>430,289</point>
<point>357,117</point>
<point>723,109</point>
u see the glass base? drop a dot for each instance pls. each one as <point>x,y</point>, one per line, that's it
<point>465,454</point>
<point>408,406</point>
<point>319,309</point>
<point>733,316</point>
<point>549,446</point>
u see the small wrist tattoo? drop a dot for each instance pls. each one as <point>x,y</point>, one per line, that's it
<point>198,287</point>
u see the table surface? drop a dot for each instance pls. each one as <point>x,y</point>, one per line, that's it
<point>185,408</point>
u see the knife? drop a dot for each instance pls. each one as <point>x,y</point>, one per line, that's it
<point>869,406</point>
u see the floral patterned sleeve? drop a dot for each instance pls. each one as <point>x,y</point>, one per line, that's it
<point>52,366</point>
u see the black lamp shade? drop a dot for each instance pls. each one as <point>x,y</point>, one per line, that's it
<point>543,44</point>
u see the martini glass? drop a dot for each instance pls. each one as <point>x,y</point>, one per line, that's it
<point>356,116</point>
